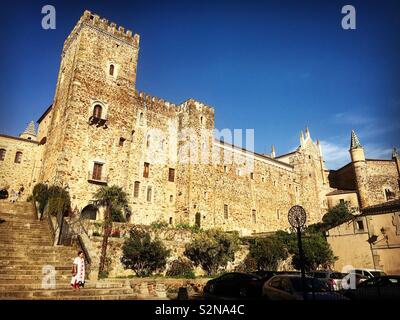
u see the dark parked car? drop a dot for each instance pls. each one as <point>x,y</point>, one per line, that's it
<point>289,287</point>
<point>235,285</point>
<point>384,288</point>
<point>266,275</point>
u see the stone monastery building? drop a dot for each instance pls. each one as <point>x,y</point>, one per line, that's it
<point>100,131</point>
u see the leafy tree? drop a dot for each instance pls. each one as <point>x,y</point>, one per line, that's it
<point>267,253</point>
<point>317,252</point>
<point>142,254</point>
<point>249,264</point>
<point>114,199</point>
<point>58,200</point>
<point>212,249</point>
<point>337,215</point>
<point>181,268</point>
<point>40,194</point>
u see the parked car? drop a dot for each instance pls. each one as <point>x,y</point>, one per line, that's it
<point>382,287</point>
<point>369,273</point>
<point>289,287</point>
<point>235,284</point>
<point>266,275</point>
<point>347,283</point>
<point>332,278</point>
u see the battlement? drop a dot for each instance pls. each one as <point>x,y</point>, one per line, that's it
<point>153,102</point>
<point>184,107</point>
<point>102,24</point>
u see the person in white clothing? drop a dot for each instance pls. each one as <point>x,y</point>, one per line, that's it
<point>78,272</point>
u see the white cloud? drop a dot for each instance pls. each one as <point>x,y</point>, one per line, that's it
<point>335,155</point>
<point>352,119</point>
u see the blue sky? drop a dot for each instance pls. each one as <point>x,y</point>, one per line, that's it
<point>274,66</point>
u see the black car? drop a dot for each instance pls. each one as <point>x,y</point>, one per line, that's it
<point>235,285</point>
<point>384,288</point>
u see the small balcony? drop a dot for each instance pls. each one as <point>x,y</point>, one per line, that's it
<point>99,122</point>
<point>102,181</point>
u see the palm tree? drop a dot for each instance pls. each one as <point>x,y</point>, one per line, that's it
<point>112,198</point>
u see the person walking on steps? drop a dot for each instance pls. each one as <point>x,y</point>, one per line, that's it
<point>78,272</point>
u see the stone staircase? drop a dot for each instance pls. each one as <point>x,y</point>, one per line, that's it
<point>27,256</point>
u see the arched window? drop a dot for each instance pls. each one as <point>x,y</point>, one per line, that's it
<point>2,154</point>
<point>97,110</point>
<point>18,157</point>
<point>141,118</point>
<point>111,70</point>
<point>201,120</point>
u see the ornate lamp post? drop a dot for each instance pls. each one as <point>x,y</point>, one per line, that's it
<point>297,217</point>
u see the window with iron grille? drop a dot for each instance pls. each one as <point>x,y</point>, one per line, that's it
<point>18,157</point>
<point>97,110</point>
<point>2,154</point>
<point>226,211</point>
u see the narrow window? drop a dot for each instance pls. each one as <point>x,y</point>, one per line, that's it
<point>148,141</point>
<point>201,120</point>
<point>111,69</point>
<point>205,195</point>
<point>97,170</point>
<point>278,214</point>
<point>226,212</point>
<point>146,170</point>
<point>254,216</point>
<point>136,189</point>
<point>18,157</point>
<point>171,175</point>
<point>97,110</point>
<point>170,220</point>
<point>121,141</point>
<point>263,179</point>
<point>225,169</point>
<point>251,175</point>
<point>149,193</point>
<point>171,198</point>
<point>141,118</point>
<point>198,219</point>
<point>2,154</point>
<point>360,225</point>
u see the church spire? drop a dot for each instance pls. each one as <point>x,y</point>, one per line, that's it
<point>355,142</point>
<point>30,132</point>
<point>395,154</point>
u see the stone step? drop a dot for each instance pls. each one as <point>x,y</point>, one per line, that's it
<point>28,272</point>
<point>74,296</point>
<point>42,248</point>
<point>44,294</point>
<point>12,278</point>
<point>21,267</point>
<point>60,285</point>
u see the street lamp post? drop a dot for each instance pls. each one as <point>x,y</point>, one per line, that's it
<point>297,217</point>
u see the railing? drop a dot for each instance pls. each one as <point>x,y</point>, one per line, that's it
<point>51,227</point>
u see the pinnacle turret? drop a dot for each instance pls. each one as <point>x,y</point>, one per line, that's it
<point>355,142</point>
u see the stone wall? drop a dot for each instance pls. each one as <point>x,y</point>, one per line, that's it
<point>13,175</point>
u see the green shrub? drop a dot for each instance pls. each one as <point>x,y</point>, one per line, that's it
<point>181,268</point>
<point>158,225</point>
<point>267,253</point>
<point>212,249</point>
<point>58,200</point>
<point>40,194</point>
<point>142,254</point>
<point>248,264</point>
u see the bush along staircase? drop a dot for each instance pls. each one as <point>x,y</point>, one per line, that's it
<point>31,268</point>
